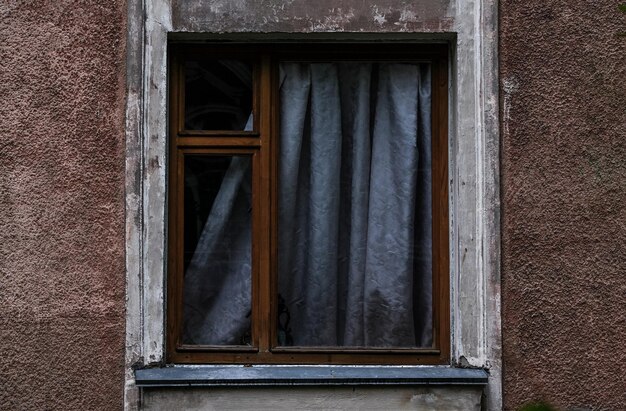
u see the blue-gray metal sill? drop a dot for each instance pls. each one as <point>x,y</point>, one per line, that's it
<point>274,375</point>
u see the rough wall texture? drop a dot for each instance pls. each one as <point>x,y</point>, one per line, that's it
<point>61,195</point>
<point>563,79</point>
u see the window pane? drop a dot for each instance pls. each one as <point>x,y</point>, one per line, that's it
<point>355,213</point>
<point>217,250</point>
<point>218,95</point>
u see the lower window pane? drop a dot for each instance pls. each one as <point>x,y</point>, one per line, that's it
<point>355,205</point>
<point>217,250</point>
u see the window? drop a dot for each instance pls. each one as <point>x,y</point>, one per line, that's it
<point>308,205</point>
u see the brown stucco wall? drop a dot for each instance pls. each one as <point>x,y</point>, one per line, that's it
<point>563,100</point>
<point>62,289</point>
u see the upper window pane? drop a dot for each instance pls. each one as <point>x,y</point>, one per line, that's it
<point>218,95</point>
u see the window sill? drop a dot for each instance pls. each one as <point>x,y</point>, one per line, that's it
<point>272,375</point>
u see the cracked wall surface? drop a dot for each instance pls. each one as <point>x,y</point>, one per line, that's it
<point>62,96</point>
<point>563,105</point>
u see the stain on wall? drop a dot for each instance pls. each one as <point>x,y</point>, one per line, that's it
<point>563,96</point>
<point>62,87</point>
<point>310,16</point>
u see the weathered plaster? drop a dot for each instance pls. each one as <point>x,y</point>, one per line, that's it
<point>290,16</point>
<point>61,194</point>
<point>563,73</point>
<point>134,203</point>
<point>474,144</point>
<point>310,398</point>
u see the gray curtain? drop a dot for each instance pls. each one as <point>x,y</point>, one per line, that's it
<point>355,204</point>
<point>355,225</point>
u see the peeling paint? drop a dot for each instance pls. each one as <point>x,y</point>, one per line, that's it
<point>379,17</point>
<point>335,20</point>
<point>305,16</point>
<point>509,87</point>
<point>408,16</point>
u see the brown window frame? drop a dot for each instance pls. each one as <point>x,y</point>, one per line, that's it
<point>262,145</point>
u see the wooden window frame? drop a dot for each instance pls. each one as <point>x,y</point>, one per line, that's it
<point>262,145</point>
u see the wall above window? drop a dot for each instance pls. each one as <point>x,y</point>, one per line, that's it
<point>289,16</point>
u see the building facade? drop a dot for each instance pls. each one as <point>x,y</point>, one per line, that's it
<point>535,118</point>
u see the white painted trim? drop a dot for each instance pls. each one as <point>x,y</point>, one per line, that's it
<point>133,197</point>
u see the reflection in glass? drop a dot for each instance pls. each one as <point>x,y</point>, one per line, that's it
<point>218,95</point>
<point>217,250</point>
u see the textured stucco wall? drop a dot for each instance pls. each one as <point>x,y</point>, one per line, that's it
<point>62,86</point>
<point>563,101</point>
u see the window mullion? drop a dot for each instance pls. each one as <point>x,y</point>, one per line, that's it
<point>440,247</point>
<point>263,229</point>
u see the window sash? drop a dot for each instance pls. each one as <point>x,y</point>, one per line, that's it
<point>262,146</point>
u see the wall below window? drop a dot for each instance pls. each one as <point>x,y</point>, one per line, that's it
<point>311,398</point>
<point>563,84</point>
<point>62,279</point>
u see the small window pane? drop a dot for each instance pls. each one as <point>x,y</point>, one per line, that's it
<point>217,250</point>
<point>218,95</point>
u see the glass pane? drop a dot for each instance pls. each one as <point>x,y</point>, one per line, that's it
<point>218,95</point>
<point>355,213</point>
<point>217,250</point>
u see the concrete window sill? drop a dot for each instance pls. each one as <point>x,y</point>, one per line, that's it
<point>272,375</point>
